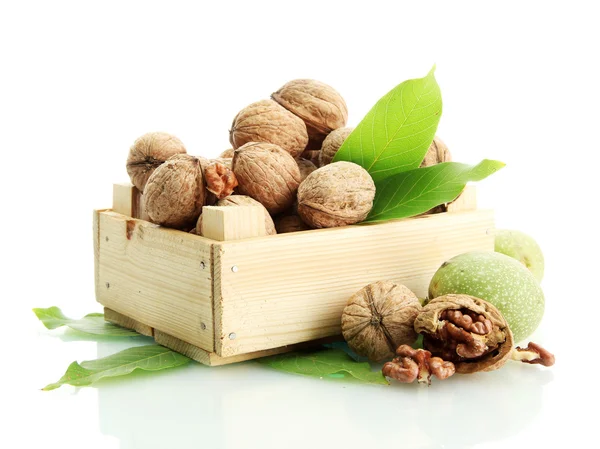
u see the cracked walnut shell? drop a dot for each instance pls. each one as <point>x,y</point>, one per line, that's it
<point>267,121</point>
<point>465,330</point>
<point>175,193</point>
<point>379,318</point>
<point>338,194</point>
<point>320,106</point>
<point>268,174</point>
<point>147,153</point>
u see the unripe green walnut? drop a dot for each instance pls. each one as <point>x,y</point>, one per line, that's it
<point>523,248</point>
<point>498,279</point>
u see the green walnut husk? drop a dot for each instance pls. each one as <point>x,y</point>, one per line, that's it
<point>494,344</point>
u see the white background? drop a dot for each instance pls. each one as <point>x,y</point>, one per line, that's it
<point>79,81</point>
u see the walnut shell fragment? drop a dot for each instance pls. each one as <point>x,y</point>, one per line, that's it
<point>320,106</point>
<point>267,121</point>
<point>379,318</point>
<point>175,192</point>
<point>268,174</point>
<point>467,331</point>
<point>338,194</point>
<point>241,200</point>
<point>332,144</point>
<point>148,152</point>
<point>437,153</point>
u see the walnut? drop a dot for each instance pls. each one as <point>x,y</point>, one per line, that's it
<point>226,161</point>
<point>267,121</point>
<point>467,331</point>
<point>220,180</point>
<point>227,154</point>
<point>289,223</point>
<point>311,155</point>
<point>338,194</point>
<point>379,318</point>
<point>417,364</point>
<point>437,153</point>
<point>332,144</point>
<point>148,152</point>
<point>175,192</point>
<point>306,168</point>
<point>241,200</point>
<point>320,106</point>
<point>268,174</point>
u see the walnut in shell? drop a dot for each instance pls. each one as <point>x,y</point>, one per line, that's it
<point>227,154</point>
<point>148,152</point>
<point>320,106</point>
<point>175,192</point>
<point>306,168</point>
<point>241,200</point>
<point>289,223</point>
<point>338,194</point>
<point>379,318</point>
<point>268,174</point>
<point>311,155</point>
<point>332,144</point>
<point>468,331</point>
<point>267,121</point>
<point>437,153</point>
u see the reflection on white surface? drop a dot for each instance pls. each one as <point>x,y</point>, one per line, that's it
<point>248,405</point>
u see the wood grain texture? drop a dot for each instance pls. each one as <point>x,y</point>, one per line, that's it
<point>467,200</point>
<point>212,359</point>
<point>127,322</point>
<point>233,223</point>
<point>289,288</point>
<point>157,276</point>
<point>129,201</point>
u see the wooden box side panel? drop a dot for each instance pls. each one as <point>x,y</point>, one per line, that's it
<point>159,277</point>
<point>291,288</point>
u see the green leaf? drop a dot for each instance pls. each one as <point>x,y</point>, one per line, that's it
<point>416,191</point>
<point>332,363</point>
<point>147,358</point>
<point>395,135</point>
<point>92,323</point>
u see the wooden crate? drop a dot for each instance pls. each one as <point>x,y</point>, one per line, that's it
<point>234,297</point>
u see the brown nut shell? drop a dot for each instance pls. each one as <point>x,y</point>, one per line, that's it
<point>175,192</point>
<point>437,153</point>
<point>338,194</point>
<point>320,106</point>
<point>241,200</point>
<point>147,153</point>
<point>306,168</point>
<point>311,155</point>
<point>332,144</point>
<point>268,174</point>
<point>379,318</point>
<point>267,121</point>
<point>451,321</point>
<point>289,223</point>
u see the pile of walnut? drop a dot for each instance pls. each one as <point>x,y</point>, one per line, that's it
<point>461,334</point>
<point>281,159</point>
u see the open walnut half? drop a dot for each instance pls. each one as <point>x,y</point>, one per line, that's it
<point>467,331</point>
